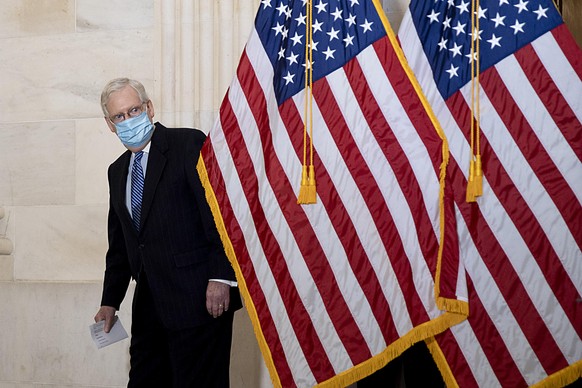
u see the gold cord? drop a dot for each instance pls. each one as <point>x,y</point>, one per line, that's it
<point>307,191</point>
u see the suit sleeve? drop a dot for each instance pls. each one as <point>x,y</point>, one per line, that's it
<point>117,270</point>
<point>221,267</point>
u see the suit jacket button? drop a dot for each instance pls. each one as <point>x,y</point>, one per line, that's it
<point>141,246</point>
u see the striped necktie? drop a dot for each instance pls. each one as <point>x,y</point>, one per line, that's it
<point>137,181</point>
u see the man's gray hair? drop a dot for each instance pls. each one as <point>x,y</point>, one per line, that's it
<point>116,85</point>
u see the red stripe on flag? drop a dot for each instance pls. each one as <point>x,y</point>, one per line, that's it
<point>456,360</point>
<point>492,253</point>
<point>552,98</point>
<point>493,346</point>
<point>543,337</point>
<point>325,280</point>
<point>534,152</point>
<point>410,100</point>
<point>569,47</point>
<point>507,281</point>
<point>299,317</point>
<point>252,283</point>
<point>423,124</point>
<point>379,209</point>
<point>305,236</point>
<point>521,215</point>
<point>401,167</point>
<point>363,270</point>
<point>495,349</point>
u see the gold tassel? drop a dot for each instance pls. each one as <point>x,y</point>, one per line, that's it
<point>307,191</point>
<point>312,192</point>
<point>470,197</point>
<point>303,189</point>
<point>478,183</point>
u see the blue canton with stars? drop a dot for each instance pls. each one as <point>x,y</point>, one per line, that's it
<point>341,30</point>
<point>444,28</point>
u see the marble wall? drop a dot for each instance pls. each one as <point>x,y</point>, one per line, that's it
<point>55,56</point>
<point>6,247</point>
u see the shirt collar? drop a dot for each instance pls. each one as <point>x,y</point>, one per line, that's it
<point>145,150</point>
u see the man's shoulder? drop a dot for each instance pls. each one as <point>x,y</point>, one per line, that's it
<point>121,160</point>
<point>188,140</point>
<point>119,166</point>
<point>182,134</point>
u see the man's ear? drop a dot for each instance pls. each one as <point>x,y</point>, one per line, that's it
<point>151,111</point>
<point>110,125</point>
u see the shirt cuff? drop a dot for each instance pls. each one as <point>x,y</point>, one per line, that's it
<point>229,282</point>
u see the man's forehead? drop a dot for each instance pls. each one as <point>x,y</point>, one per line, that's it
<point>125,96</point>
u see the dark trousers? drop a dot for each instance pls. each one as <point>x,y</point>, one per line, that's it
<point>414,368</point>
<point>192,357</point>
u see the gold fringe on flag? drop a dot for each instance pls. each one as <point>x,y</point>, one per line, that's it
<point>242,285</point>
<point>308,189</point>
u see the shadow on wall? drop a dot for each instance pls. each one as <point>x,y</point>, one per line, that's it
<point>6,247</point>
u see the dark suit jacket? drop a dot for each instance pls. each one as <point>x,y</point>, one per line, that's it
<point>178,246</point>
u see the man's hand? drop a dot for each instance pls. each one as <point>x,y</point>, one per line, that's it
<point>107,314</point>
<point>217,298</point>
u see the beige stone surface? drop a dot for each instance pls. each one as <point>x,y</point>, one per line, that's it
<point>96,148</point>
<point>37,163</point>
<point>36,17</point>
<point>114,15</point>
<point>58,77</point>
<point>45,337</point>
<point>59,243</point>
<point>45,340</point>
<point>395,10</point>
<point>5,246</point>
<point>6,267</point>
<point>6,229</point>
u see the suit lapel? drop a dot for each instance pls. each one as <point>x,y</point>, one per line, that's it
<point>120,183</point>
<point>156,165</point>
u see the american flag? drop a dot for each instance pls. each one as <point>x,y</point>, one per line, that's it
<point>335,289</point>
<point>520,243</point>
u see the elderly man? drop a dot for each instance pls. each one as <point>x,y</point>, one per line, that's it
<point>162,234</point>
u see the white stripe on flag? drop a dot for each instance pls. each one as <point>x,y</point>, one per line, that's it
<point>560,70</point>
<point>541,121</point>
<point>383,172</point>
<point>298,270</point>
<point>501,314</point>
<point>524,179</point>
<point>540,202</point>
<point>356,208</point>
<point>291,346</point>
<point>408,138</point>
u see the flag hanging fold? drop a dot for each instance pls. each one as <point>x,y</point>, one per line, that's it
<point>520,243</point>
<point>337,288</point>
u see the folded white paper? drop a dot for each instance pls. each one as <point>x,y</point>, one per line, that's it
<point>102,339</point>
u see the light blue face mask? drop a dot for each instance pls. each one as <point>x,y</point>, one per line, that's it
<point>135,131</point>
